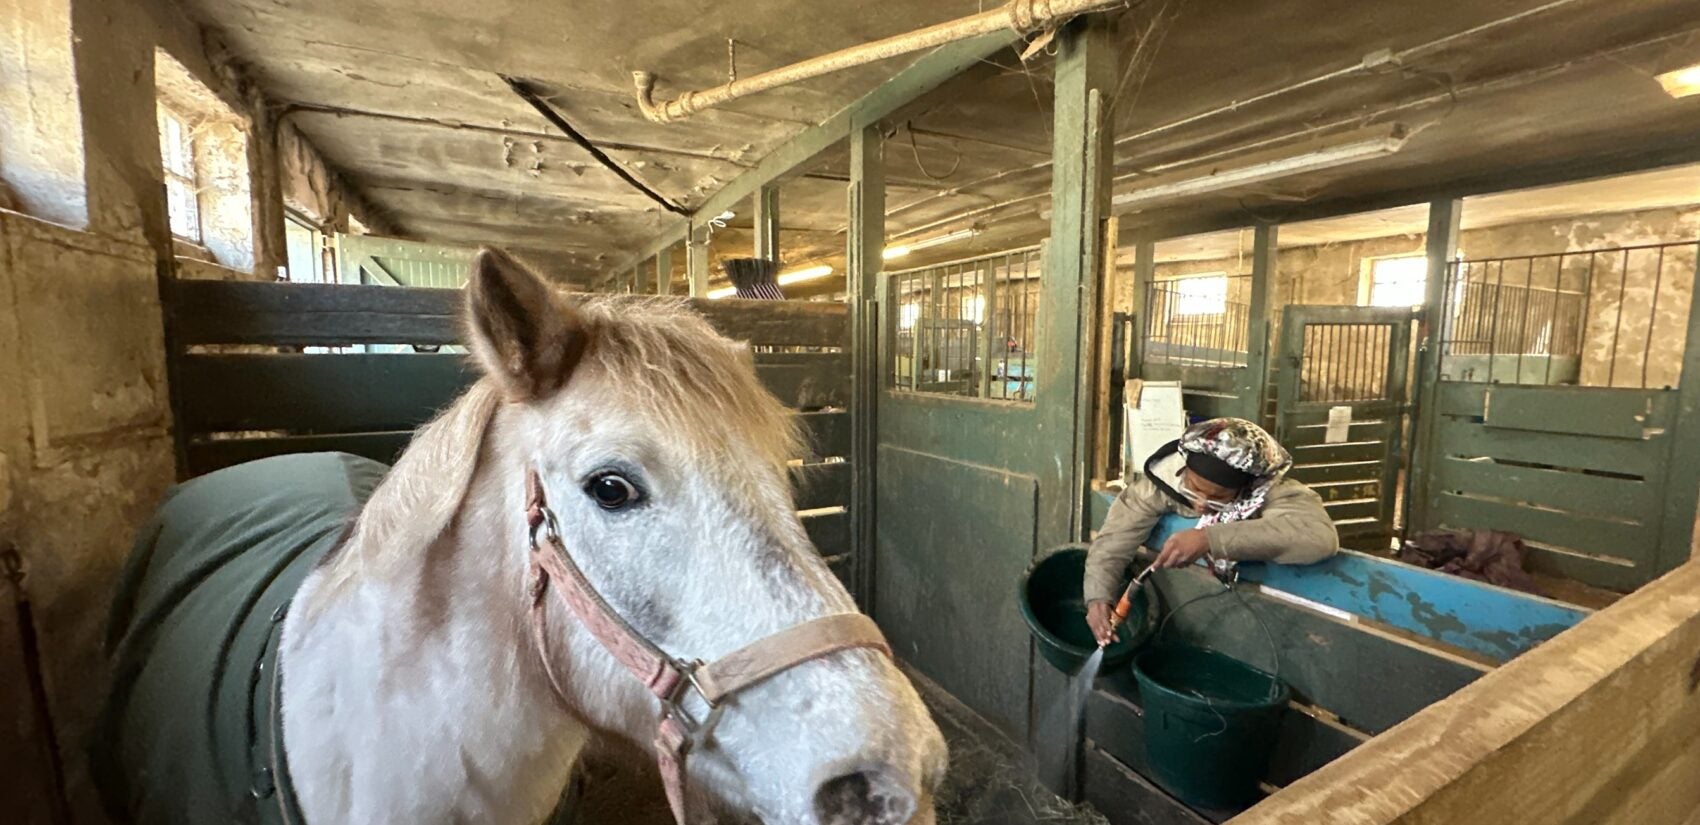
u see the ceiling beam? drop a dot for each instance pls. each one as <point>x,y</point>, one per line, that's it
<point>923,76</point>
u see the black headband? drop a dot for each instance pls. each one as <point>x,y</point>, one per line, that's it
<point>1217,471</point>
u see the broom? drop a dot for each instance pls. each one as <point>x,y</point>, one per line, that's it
<point>754,278</point>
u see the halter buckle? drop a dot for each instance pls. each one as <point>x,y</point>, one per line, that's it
<point>673,706</point>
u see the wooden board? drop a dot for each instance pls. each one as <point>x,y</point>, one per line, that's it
<point>246,312</point>
<point>821,485</point>
<point>365,392</point>
<point>1591,536</point>
<point>1370,679</point>
<point>1116,724</point>
<point>830,533</point>
<point>827,434</point>
<point>1126,798</point>
<point>806,381</point>
<point>1595,411</point>
<point>317,393</point>
<point>207,456</point>
<point>1594,728</point>
<point>1461,437</point>
<point>1581,493</point>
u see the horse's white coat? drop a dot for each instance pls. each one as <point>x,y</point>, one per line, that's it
<point>412,691</point>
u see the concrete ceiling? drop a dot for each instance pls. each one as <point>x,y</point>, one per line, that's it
<point>405,98</point>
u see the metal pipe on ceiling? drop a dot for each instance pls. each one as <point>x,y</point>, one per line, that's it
<point>1020,15</point>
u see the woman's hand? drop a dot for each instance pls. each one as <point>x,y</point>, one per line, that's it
<point>1101,618</point>
<point>1183,548</point>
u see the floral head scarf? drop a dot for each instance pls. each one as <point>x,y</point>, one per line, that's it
<point>1239,443</point>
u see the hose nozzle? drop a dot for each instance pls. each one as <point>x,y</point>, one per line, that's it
<point>1124,605</point>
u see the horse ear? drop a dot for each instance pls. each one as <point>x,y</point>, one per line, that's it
<point>523,333</point>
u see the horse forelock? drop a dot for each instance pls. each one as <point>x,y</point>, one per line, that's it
<point>696,386</point>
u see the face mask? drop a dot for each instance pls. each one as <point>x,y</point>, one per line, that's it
<point>1198,500</point>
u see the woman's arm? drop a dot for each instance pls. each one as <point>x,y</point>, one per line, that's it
<point>1293,528</point>
<point>1128,525</point>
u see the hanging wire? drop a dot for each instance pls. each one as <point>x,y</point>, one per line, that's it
<point>916,151</point>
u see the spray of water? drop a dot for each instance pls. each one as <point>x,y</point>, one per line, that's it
<point>1069,710</point>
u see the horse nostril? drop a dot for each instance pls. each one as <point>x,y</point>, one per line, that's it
<point>863,798</point>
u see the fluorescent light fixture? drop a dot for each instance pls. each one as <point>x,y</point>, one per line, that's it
<point>723,292</point>
<point>896,252</point>
<point>809,274</point>
<point>937,240</point>
<point>1681,83</point>
<point>1219,178</point>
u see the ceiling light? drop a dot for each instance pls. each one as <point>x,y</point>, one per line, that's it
<point>928,243</point>
<point>725,216</point>
<point>1219,178</point>
<point>723,292</point>
<point>1682,82</point>
<point>895,252</point>
<point>809,274</point>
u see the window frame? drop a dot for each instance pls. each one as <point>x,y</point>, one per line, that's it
<point>1219,303</point>
<point>188,180</point>
<point>1367,280</point>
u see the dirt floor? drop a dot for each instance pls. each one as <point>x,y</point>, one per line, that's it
<point>991,781</point>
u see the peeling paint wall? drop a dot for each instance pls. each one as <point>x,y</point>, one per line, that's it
<point>85,428</point>
<point>1617,344</point>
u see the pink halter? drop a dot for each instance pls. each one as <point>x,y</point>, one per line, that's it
<point>668,678</point>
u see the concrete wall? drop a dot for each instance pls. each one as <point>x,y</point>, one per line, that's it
<point>85,428</point>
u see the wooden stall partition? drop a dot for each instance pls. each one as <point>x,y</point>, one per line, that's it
<point>244,405</point>
<point>1595,727</point>
<point>1578,472</point>
<point>1364,643</point>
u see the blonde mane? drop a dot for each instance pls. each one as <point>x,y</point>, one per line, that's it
<point>668,361</point>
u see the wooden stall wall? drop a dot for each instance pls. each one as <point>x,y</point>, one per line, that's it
<point>238,406</point>
<point>1578,472</point>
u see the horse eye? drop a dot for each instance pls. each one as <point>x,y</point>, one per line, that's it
<point>611,491</point>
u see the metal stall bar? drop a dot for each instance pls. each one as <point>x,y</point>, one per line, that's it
<point>1441,246</point>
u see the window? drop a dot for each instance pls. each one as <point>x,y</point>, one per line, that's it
<point>1202,294</point>
<point>907,315</point>
<point>1395,282</point>
<point>974,309</point>
<point>177,151</point>
<point>304,244</point>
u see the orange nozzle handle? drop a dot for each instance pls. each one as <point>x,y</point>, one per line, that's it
<point>1124,606</point>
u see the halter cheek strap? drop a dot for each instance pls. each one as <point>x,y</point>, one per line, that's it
<point>665,677</point>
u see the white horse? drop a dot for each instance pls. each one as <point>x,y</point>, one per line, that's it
<point>412,691</point>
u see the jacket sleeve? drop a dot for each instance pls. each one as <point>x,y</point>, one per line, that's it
<point>1128,525</point>
<point>1292,529</point>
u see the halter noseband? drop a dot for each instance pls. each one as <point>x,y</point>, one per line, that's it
<point>667,678</point>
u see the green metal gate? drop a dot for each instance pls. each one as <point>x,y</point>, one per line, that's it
<point>1343,384</point>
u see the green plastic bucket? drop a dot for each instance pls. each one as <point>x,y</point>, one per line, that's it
<point>1054,608</point>
<point>1210,723</point>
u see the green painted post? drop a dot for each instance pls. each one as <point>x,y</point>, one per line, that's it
<point>1254,386</point>
<point>863,262</point>
<point>1144,273</point>
<point>1086,79</point>
<point>1682,479</point>
<point>1442,247</point>
<point>696,260</point>
<point>767,222</point>
<point>664,271</point>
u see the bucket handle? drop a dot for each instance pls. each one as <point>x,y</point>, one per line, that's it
<point>1229,586</point>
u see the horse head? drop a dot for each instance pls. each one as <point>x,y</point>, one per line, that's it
<point>663,461</point>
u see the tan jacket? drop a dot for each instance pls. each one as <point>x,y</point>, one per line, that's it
<point>1292,528</point>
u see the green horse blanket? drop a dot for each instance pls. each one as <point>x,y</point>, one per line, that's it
<point>190,732</point>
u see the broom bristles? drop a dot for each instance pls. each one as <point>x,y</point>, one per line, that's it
<point>754,278</point>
